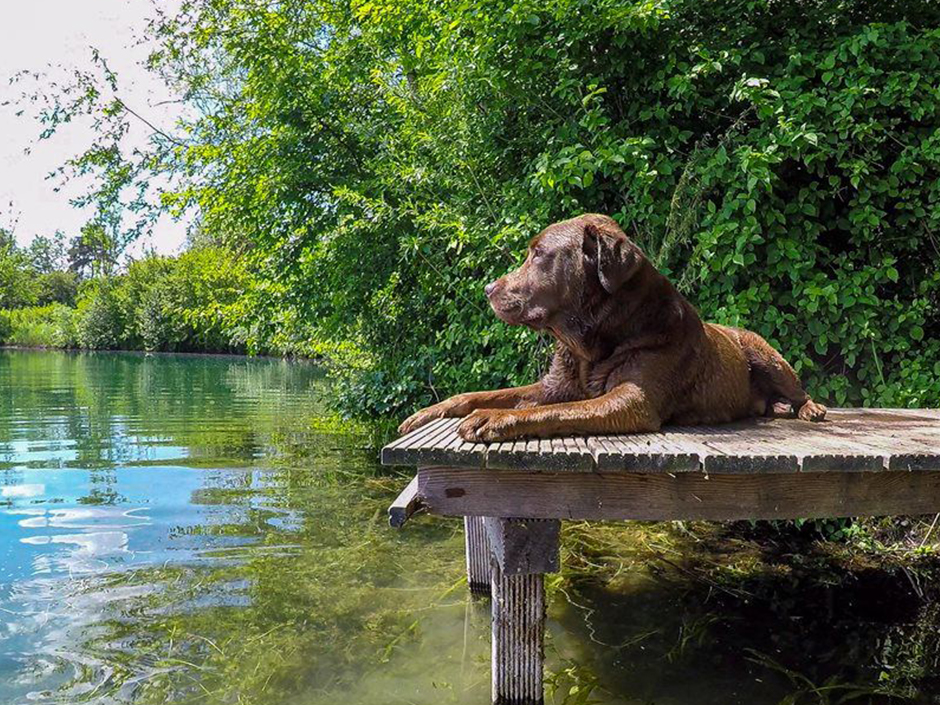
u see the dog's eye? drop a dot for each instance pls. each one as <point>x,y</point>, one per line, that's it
<point>537,252</point>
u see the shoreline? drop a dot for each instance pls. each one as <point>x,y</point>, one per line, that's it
<point>156,353</point>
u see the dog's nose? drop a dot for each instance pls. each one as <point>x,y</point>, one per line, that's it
<point>489,289</point>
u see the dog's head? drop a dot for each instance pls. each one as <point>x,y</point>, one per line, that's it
<point>582,257</point>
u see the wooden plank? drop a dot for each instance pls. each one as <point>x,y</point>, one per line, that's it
<point>854,440</point>
<point>911,437</point>
<point>825,452</point>
<point>541,454</point>
<point>871,440</point>
<point>915,462</point>
<point>613,496</point>
<point>577,447</point>
<point>644,452</point>
<point>524,546</point>
<point>744,447</point>
<point>427,447</point>
<point>454,450</point>
<point>397,452</point>
<point>849,441</point>
<point>432,450</point>
<point>501,455</point>
<point>416,438</point>
<point>899,451</point>
<point>884,415</point>
<point>405,505</point>
<point>771,446</point>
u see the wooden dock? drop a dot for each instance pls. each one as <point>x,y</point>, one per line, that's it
<point>513,495</point>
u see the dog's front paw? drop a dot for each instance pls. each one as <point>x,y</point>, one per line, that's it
<point>812,411</point>
<point>486,425</point>
<point>419,419</point>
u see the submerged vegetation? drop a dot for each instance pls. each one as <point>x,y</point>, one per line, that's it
<point>257,567</point>
<point>284,583</point>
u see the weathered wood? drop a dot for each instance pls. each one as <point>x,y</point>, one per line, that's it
<point>478,556</point>
<point>617,496</point>
<point>434,443</point>
<point>859,462</point>
<point>524,546</point>
<point>406,504</point>
<point>644,452</point>
<point>850,440</point>
<point>542,454</point>
<point>518,632</point>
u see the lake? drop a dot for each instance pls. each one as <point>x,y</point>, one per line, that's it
<point>196,529</point>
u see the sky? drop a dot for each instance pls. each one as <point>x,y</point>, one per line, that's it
<point>55,36</point>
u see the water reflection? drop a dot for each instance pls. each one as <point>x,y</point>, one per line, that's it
<point>126,478</point>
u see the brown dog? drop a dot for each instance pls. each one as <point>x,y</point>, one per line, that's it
<point>632,353</point>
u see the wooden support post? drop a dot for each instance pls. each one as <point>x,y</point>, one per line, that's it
<point>524,546</point>
<point>478,556</point>
<point>518,632</point>
<point>523,550</point>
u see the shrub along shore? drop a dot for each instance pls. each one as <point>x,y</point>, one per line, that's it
<point>194,302</point>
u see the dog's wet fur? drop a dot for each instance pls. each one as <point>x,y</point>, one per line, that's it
<point>631,355</point>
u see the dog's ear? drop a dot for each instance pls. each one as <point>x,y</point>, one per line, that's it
<point>616,258</point>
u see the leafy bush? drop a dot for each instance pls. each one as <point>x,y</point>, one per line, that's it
<point>201,297</point>
<point>194,302</point>
<point>6,327</point>
<point>65,320</point>
<point>18,284</point>
<point>184,303</point>
<point>381,161</point>
<point>153,325</point>
<point>39,326</point>
<point>57,287</point>
<point>101,324</point>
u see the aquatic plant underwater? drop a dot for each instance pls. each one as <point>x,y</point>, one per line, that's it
<point>185,529</point>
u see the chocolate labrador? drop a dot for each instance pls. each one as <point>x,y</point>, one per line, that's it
<point>631,354</point>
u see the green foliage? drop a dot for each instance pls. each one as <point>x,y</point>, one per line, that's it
<point>18,284</point>
<point>48,254</point>
<point>801,138</point>
<point>39,326</point>
<point>194,303</point>
<point>100,318</point>
<point>57,287</point>
<point>380,161</point>
<point>185,303</point>
<point>35,274</point>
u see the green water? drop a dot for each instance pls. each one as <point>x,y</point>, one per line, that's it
<point>184,529</point>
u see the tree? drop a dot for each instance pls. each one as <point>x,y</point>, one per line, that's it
<point>57,287</point>
<point>18,284</point>
<point>48,254</point>
<point>379,161</point>
<point>93,252</point>
<point>7,240</point>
